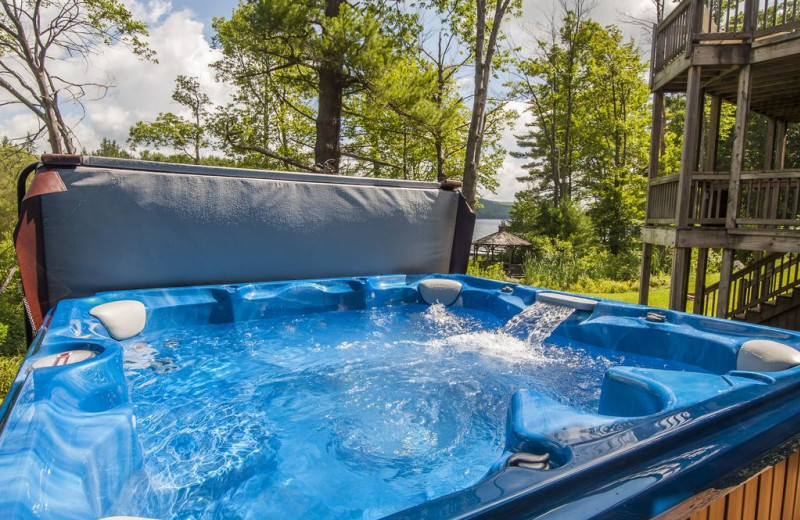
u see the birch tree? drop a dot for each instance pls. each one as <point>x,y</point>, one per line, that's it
<point>36,34</point>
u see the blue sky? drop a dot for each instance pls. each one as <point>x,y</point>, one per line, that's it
<point>180,33</point>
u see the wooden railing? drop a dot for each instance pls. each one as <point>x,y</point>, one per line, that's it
<point>703,20</point>
<point>662,196</point>
<point>709,198</point>
<point>672,35</point>
<point>767,199</point>
<point>777,16</point>
<point>759,283</point>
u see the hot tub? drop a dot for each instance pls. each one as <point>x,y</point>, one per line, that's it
<point>401,396</point>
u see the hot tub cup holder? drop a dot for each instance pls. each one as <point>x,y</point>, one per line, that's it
<point>67,357</point>
<point>76,353</point>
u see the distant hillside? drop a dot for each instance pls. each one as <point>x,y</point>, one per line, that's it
<point>494,209</point>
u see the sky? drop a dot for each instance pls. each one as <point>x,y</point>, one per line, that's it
<point>180,34</point>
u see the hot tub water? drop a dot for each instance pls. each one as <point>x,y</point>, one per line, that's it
<point>345,414</point>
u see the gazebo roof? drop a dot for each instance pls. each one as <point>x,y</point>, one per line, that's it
<point>502,238</point>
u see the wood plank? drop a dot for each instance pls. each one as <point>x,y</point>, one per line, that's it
<point>775,51</point>
<point>769,144</point>
<point>734,507</point>
<point>717,55</point>
<point>780,140</point>
<point>676,67</point>
<point>778,483</point>
<point>765,494</point>
<point>700,280</point>
<point>750,498</point>
<point>664,179</point>
<point>658,236</point>
<point>790,487</point>
<point>679,279</point>
<point>716,511</point>
<point>724,292</point>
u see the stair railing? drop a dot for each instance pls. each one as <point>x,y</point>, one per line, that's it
<point>758,283</point>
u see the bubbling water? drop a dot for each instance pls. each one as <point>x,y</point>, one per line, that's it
<point>345,414</point>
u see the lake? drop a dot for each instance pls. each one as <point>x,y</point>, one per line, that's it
<point>485,226</point>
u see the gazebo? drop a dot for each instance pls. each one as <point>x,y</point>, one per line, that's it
<point>502,240</point>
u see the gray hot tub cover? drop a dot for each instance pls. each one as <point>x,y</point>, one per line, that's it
<point>96,224</point>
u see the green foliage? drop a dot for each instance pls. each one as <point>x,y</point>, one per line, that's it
<point>12,325</point>
<point>9,365</point>
<point>110,148</point>
<point>587,148</point>
<point>539,221</point>
<point>493,271</point>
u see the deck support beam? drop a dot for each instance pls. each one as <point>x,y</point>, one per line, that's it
<point>725,272</point>
<point>652,173</point>
<point>780,141</point>
<point>769,144</point>
<point>739,143</point>
<point>691,135</point>
<point>700,281</point>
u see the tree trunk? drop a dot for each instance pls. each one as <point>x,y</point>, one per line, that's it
<point>327,151</point>
<point>440,158</point>
<point>483,69</point>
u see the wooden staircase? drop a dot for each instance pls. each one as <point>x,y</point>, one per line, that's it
<point>767,292</point>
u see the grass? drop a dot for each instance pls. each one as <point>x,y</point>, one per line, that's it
<point>658,297</point>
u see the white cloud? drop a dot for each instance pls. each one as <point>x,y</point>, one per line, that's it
<point>140,89</point>
<point>512,167</point>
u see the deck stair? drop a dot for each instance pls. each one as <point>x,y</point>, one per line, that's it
<point>761,292</point>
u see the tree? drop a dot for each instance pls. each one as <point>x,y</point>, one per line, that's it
<point>325,50</point>
<point>611,136</point>
<point>110,148</point>
<point>478,24</point>
<point>549,83</point>
<point>35,34</point>
<point>187,136</point>
<point>588,140</point>
<point>270,122</point>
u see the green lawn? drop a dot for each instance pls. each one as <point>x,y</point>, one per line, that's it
<point>658,297</point>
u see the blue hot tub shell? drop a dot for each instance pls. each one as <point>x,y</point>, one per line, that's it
<point>68,442</point>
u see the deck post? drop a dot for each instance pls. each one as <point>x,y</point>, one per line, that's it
<point>691,135</point>
<point>644,279</point>
<point>725,272</point>
<point>769,143</point>
<point>739,142</point>
<point>679,286</point>
<point>681,258</point>
<point>712,134</point>
<point>652,173</point>
<point>780,141</point>
<point>700,280</point>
